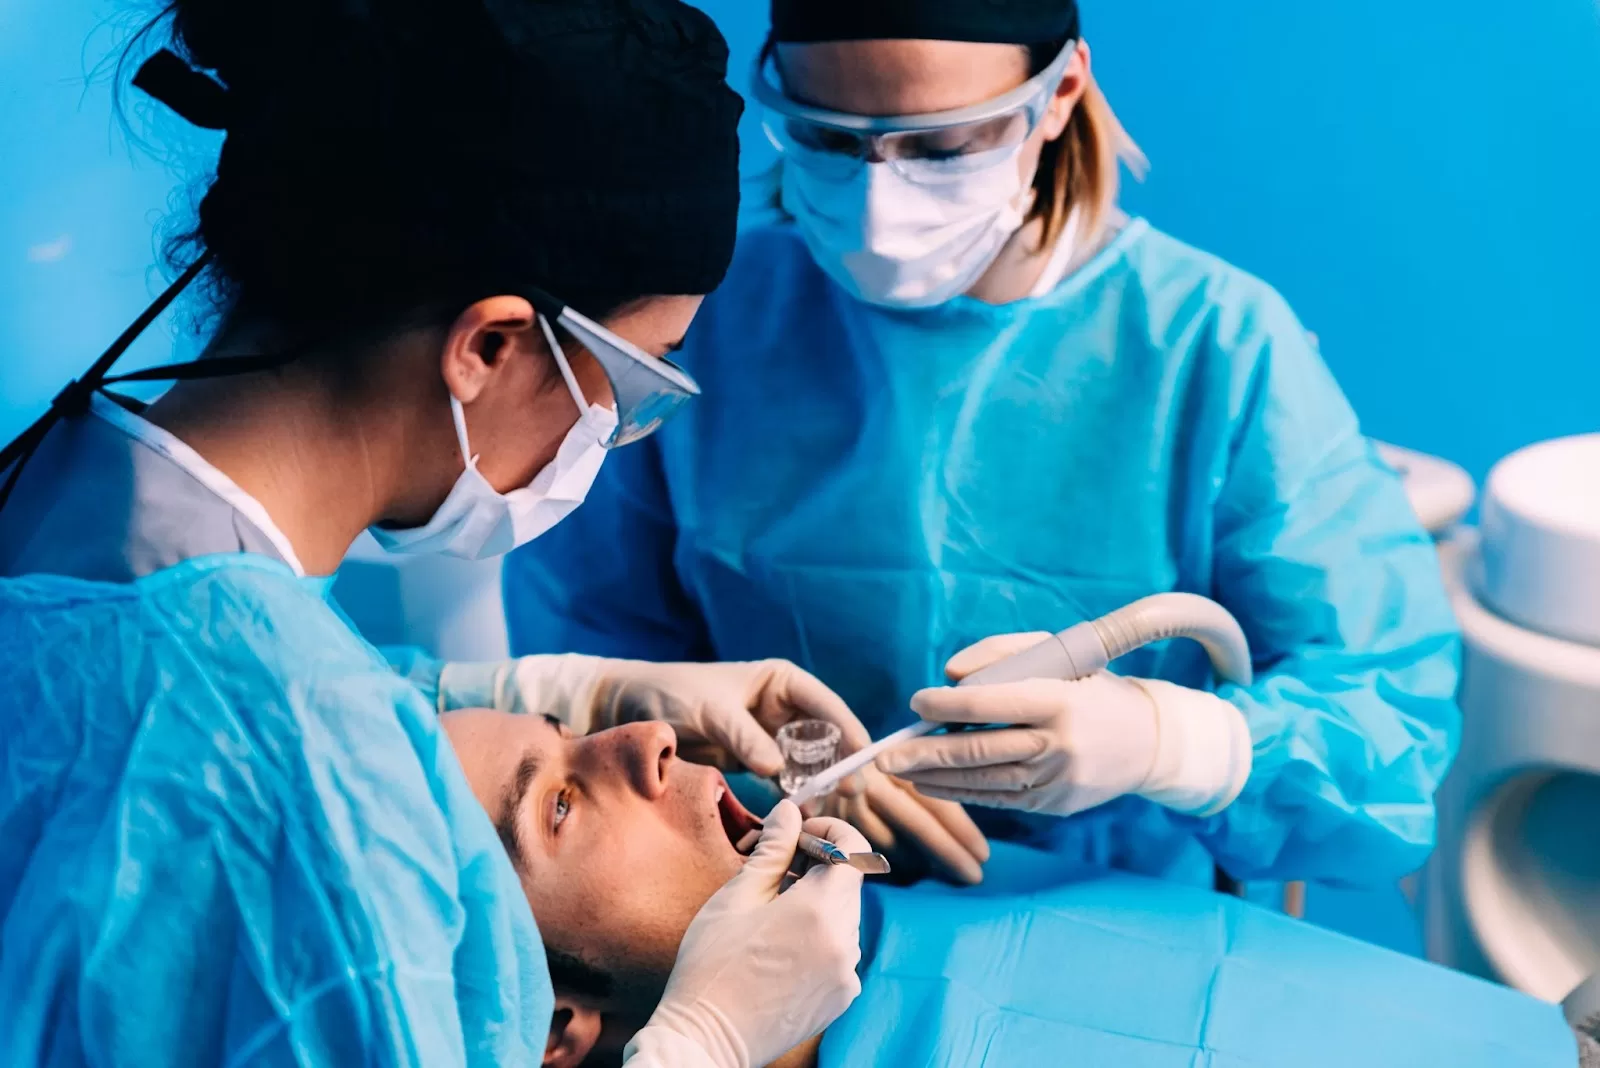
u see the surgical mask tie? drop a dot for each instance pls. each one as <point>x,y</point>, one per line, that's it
<point>476,522</point>
<point>903,244</point>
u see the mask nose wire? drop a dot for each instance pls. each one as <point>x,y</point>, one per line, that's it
<point>559,355</point>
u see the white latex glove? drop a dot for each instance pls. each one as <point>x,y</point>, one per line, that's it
<point>724,714</point>
<point>1073,745</point>
<point>758,972</point>
<point>894,816</point>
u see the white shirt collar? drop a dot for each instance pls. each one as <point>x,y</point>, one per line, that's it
<point>146,432</point>
<point>1061,257</point>
<point>1074,249</point>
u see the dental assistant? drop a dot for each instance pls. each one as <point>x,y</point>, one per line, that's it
<point>962,399</point>
<point>450,244</point>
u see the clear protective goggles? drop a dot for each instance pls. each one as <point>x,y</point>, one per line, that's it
<point>647,389</point>
<point>928,149</point>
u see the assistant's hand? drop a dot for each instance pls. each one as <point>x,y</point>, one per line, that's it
<point>895,817</point>
<point>1073,745</point>
<point>724,714</point>
<point>759,972</point>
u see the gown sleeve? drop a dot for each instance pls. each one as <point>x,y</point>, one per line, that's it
<point>1352,712</point>
<point>417,667</point>
<point>252,845</point>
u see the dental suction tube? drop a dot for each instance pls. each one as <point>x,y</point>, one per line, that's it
<point>1081,650</point>
<point>1078,652</point>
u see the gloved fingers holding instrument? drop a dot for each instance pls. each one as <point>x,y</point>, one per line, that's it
<point>1060,747</point>
<point>724,714</point>
<point>759,971</point>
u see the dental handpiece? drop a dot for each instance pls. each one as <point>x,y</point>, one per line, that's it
<point>1076,653</point>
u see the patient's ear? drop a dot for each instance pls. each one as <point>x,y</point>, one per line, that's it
<point>574,1030</point>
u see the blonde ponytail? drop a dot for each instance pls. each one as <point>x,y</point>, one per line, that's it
<point>1082,168</point>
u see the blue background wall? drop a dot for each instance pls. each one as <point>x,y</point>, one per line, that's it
<point>1421,179</point>
<point>80,202</point>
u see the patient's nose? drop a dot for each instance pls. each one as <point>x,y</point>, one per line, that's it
<point>646,750</point>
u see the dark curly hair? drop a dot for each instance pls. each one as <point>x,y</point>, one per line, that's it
<point>388,162</point>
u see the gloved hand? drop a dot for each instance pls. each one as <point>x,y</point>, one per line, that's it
<point>724,714</point>
<point>759,972</point>
<point>895,817</point>
<point>1073,745</point>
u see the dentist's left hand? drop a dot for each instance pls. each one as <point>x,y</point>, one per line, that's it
<point>724,714</point>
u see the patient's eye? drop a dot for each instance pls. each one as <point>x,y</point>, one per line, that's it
<point>562,807</point>
<point>553,721</point>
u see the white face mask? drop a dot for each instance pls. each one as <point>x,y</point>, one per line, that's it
<point>897,243</point>
<point>476,522</point>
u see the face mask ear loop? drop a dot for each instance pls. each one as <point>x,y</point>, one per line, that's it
<point>1069,232</point>
<point>560,356</point>
<point>459,414</point>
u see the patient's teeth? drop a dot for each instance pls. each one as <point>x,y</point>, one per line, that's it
<point>720,791</point>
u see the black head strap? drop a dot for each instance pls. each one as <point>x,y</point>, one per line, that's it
<point>74,399</point>
<point>198,98</point>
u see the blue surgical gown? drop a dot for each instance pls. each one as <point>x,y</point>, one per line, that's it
<point>866,491</point>
<point>230,834</point>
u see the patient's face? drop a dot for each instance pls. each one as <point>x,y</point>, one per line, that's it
<point>617,841</point>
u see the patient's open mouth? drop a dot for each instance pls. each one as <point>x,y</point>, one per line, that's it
<point>737,821</point>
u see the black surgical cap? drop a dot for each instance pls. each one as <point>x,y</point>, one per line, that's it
<point>1021,22</point>
<point>631,148</point>
<point>588,147</point>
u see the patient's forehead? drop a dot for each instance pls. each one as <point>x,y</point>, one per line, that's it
<point>495,747</point>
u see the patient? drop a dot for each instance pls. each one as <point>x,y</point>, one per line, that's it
<point>619,842</point>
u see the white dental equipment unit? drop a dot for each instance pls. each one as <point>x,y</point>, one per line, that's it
<point>1513,890</point>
